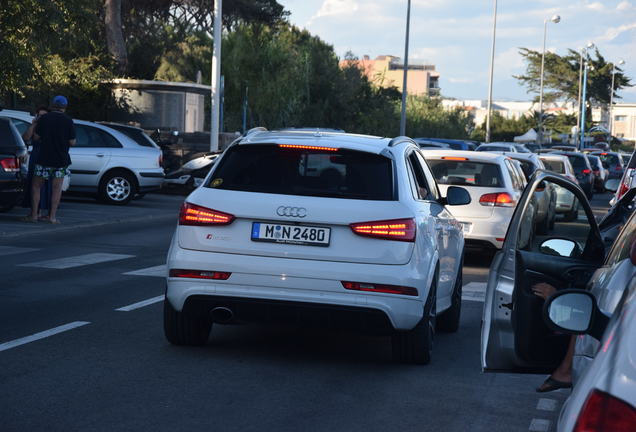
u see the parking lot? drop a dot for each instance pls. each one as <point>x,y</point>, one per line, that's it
<point>82,347</point>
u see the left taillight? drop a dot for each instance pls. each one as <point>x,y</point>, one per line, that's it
<point>586,171</point>
<point>199,274</point>
<point>604,412</point>
<point>502,199</point>
<point>394,229</point>
<point>11,164</point>
<point>194,215</point>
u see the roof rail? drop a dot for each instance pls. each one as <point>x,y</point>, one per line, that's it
<point>399,140</point>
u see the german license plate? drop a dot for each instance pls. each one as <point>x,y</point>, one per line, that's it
<point>291,234</point>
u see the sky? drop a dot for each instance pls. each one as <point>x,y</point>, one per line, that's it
<point>456,35</point>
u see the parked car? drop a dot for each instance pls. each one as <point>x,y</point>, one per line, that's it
<point>454,144</point>
<point>428,144</point>
<point>517,336</point>
<point>192,173</point>
<point>612,161</point>
<point>503,147</point>
<point>582,171</point>
<point>13,154</point>
<point>494,184</point>
<point>627,180</point>
<point>107,163</point>
<point>278,208</point>
<point>566,204</point>
<point>600,173</point>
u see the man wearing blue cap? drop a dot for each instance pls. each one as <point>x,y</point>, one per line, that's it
<point>56,132</point>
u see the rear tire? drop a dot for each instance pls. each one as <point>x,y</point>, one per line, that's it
<point>416,345</point>
<point>117,187</point>
<point>448,321</point>
<point>181,328</point>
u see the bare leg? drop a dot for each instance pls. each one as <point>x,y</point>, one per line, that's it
<point>564,371</point>
<point>56,195</point>
<point>36,185</point>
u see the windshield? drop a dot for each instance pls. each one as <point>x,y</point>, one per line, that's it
<point>290,171</point>
<point>450,172</point>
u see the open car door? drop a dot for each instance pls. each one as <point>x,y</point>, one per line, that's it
<point>564,252</point>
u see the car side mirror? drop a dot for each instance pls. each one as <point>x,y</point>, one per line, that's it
<point>456,196</point>
<point>612,185</point>
<point>575,312</point>
<point>560,247</point>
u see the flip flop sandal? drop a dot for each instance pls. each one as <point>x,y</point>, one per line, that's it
<point>550,384</point>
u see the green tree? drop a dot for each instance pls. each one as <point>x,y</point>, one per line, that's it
<point>561,76</point>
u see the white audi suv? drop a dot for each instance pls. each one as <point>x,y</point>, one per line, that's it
<point>320,228</point>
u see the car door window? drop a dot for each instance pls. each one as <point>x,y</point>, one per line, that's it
<point>430,180</point>
<point>87,136</point>
<point>623,244</point>
<point>421,190</point>
<point>20,125</point>
<point>107,139</point>
<point>516,183</point>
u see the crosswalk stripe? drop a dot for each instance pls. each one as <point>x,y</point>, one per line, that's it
<point>156,271</point>
<point>78,261</point>
<point>140,304</point>
<point>41,335</point>
<point>14,250</point>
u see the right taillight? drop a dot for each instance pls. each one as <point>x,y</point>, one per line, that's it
<point>603,412</point>
<point>194,215</point>
<point>10,164</point>
<point>199,274</point>
<point>502,199</point>
<point>394,229</point>
<point>381,288</point>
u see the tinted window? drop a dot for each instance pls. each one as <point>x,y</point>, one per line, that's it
<point>555,166</point>
<point>86,136</point>
<point>450,172</point>
<point>527,167</point>
<point>522,149</point>
<point>608,159</point>
<point>578,162</point>
<point>270,169</point>
<point>8,136</point>
<point>135,134</point>
<point>493,148</point>
<point>20,125</point>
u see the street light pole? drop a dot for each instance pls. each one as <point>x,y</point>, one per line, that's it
<point>216,77</point>
<point>589,45</point>
<point>611,107</point>
<point>555,19</point>
<point>581,143</point>
<point>492,69</point>
<point>406,68</point>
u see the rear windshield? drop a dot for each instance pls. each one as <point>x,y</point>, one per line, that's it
<point>135,134</point>
<point>528,168</point>
<point>522,149</point>
<point>493,148</point>
<point>345,174</point>
<point>450,172</point>
<point>578,162</point>
<point>608,159</point>
<point>555,166</point>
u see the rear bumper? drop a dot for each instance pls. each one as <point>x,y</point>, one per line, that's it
<point>298,284</point>
<point>150,179</point>
<point>491,231</point>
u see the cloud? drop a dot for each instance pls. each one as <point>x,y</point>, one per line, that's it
<point>335,8</point>
<point>460,80</point>
<point>624,6</point>
<point>597,6</point>
<point>613,32</point>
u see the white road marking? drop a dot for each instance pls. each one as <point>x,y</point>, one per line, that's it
<point>78,261</point>
<point>140,304</point>
<point>545,404</point>
<point>539,425</point>
<point>156,271</point>
<point>13,250</point>
<point>42,335</point>
<point>474,291</point>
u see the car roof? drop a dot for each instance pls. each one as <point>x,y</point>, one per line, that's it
<point>113,124</point>
<point>470,155</point>
<point>368,143</point>
<point>522,156</point>
<point>553,156</point>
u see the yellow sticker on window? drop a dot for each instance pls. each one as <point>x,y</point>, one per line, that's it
<point>216,182</point>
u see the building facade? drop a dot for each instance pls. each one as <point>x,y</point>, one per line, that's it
<point>388,71</point>
<point>624,121</point>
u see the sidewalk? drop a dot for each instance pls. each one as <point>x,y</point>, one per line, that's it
<point>79,212</point>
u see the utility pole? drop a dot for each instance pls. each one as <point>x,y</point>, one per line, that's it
<point>582,143</point>
<point>492,70</point>
<point>406,68</point>
<point>215,91</point>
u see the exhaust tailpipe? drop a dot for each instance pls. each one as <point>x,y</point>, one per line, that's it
<point>222,314</point>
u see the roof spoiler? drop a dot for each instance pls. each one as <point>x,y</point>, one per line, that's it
<point>399,140</point>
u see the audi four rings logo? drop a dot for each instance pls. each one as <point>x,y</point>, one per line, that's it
<point>300,212</point>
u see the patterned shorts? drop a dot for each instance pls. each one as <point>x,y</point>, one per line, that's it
<point>50,173</point>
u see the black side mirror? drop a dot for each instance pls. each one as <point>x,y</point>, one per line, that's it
<point>456,196</point>
<point>575,312</point>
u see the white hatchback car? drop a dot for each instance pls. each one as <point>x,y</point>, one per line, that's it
<point>106,162</point>
<point>494,183</point>
<point>319,228</point>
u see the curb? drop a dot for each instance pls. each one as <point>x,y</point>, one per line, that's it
<point>64,228</point>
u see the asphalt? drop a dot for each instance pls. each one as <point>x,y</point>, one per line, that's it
<point>117,372</point>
